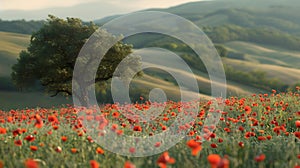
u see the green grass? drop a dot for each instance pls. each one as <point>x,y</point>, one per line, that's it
<point>18,100</point>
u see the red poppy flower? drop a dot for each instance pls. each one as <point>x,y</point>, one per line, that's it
<point>94,164</point>
<point>90,139</point>
<point>73,150</point>
<point>38,122</point>
<point>165,159</point>
<point>297,123</point>
<point>213,160</point>
<point>99,151</point>
<point>23,130</point>
<point>224,163</point>
<point>114,127</point>
<point>2,130</point>
<point>227,129</point>
<point>52,119</point>
<point>119,132</point>
<point>260,158</point>
<point>241,144</point>
<point>1,164</point>
<point>213,135</point>
<point>195,146</point>
<point>29,138</point>
<point>30,163</point>
<point>213,145</point>
<point>116,114</point>
<point>58,149</point>
<point>17,132</point>
<point>103,122</point>
<point>132,150</point>
<point>10,119</point>
<point>241,128</point>
<point>157,144</point>
<point>64,138</point>
<point>137,128</point>
<point>129,165</point>
<point>261,138</point>
<point>18,142</point>
<point>55,127</point>
<point>247,109</point>
<point>33,148</point>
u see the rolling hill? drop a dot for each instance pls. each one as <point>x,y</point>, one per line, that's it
<point>10,46</point>
<point>265,54</point>
<point>13,43</point>
<point>229,24</point>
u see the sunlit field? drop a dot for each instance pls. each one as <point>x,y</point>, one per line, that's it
<point>256,131</point>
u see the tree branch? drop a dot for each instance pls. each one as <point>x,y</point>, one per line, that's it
<point>61,91</point>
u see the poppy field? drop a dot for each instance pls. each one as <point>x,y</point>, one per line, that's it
<point>262,130</point>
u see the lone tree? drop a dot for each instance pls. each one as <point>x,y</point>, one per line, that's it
<point>52,53</point>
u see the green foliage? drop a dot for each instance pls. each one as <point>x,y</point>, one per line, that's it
<point>53,51</point>
<point>254,78</point>
<point>221,50</point>
<point>236,55</point>
<point>293,87</point>
<point>268,36</point>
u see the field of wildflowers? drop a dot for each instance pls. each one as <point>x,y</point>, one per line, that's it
<point>262,130</point>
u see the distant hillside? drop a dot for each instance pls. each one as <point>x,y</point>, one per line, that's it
<point>20,26</point>
<point>258,41</point>
<point>10,46</point>
<point>275,14</point>
<point>268,22</point>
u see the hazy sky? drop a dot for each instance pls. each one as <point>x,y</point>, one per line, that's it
<point>42,4</point>
<point>84,9</point>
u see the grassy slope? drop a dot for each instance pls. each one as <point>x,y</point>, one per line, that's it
<point>14,43</point>
<point>266,54</point>
<point>21,100</point>
<point>278,63</point>
<point>10,46</point>
<point>201,78</point>
<point>257,57</point>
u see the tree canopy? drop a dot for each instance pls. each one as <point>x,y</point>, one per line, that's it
<point>52,53</point>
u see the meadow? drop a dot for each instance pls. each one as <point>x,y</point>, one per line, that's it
<point>261,130</point>
<point>255,130</point>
